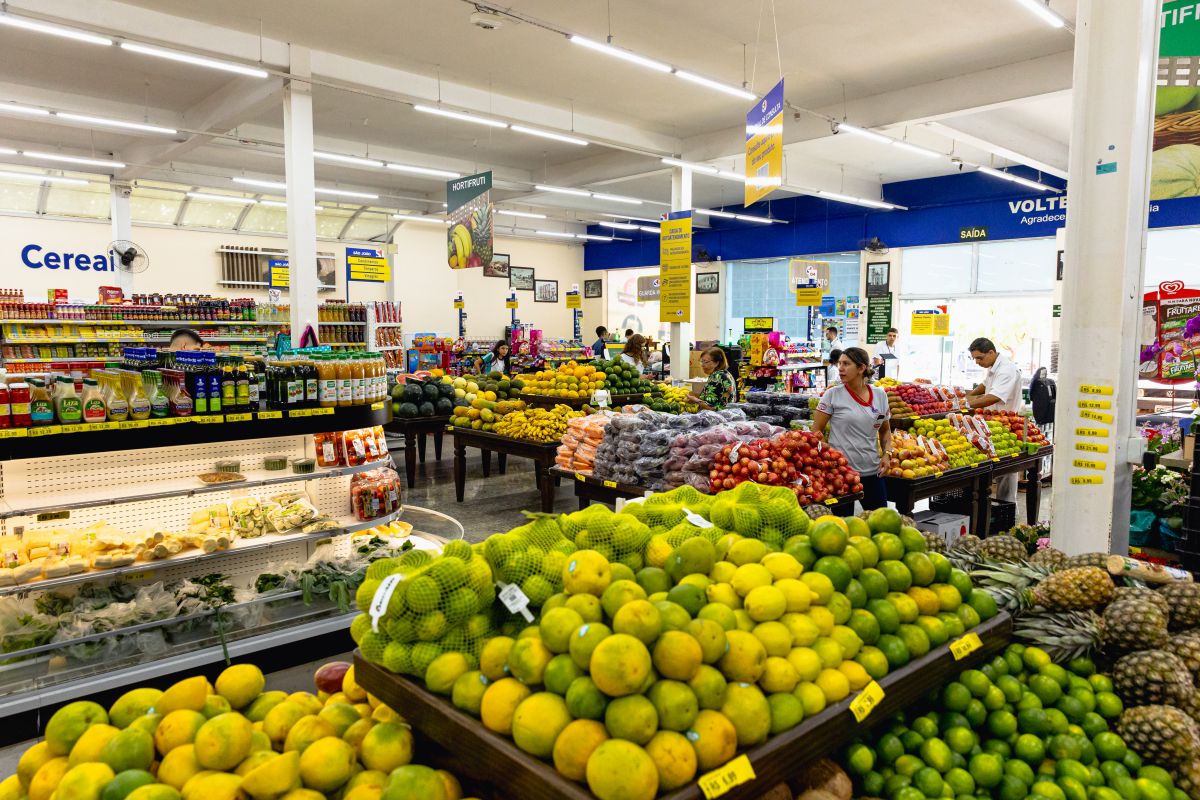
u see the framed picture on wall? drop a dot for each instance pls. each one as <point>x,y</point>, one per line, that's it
<point>593,288</point>
<point>878,278</point>
<point>498,268</point>
<point>708,283</point>
<point>520,278</point>
<point>545,291</point>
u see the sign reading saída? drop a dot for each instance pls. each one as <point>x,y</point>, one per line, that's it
<point>973,233</point>
<point>469,235</point>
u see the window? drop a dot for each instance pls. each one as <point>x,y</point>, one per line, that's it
<point>1019,265</point>
<point>764,289</point>
<point>936,270</point>
<point>91,201</point>
<point>1171,256</point>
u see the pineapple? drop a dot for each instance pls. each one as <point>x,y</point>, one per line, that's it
<point>1187,777</point>
<point>1187,647</point>
<point>1134,624</point>
<point>1160,734</point>
<point>1184,599</point>
<point>1077,587</point>
<point>969,542</point>
<point>1008,582</point>
<point>1004,548</point>
<point>1088,560</point>
<point>1142,593</point>
<point>1050,557</point>
<point>1062,634</point>
<point>934,542</point>
<point>1152,677</point>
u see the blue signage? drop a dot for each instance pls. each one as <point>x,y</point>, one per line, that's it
<point>34,256</point>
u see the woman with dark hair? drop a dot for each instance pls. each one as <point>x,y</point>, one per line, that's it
<point>497,360</point>
<point>718,391</point>
<point>856,414</point>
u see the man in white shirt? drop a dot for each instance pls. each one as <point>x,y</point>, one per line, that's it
<point>1001,391</point>
<point>887,356</point>
<point>832,343</point>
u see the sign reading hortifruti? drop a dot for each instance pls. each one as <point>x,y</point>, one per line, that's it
<point>469,212</point>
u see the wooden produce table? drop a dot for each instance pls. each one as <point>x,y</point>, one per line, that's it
<point>1029,466</point>
<point>588,488</point>
<point>975,480</point>
<point>485,756</point>
<point>542,456</point>
<point>546,401</point>
<point>414,430</point>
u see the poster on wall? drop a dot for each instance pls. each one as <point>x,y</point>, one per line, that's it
<point>367,264</point>
<point>802,270</point>
<point>879,318</point>
<point>764,145</point>
<point>1176,148</point>
<point>469,213</point>
<point>878,278</point>
<point>1169,339</point>
<point>593,288</point>
<point>278,274</point>
<point>675,268</point>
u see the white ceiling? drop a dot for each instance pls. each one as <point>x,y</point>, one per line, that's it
<point>934,72</point>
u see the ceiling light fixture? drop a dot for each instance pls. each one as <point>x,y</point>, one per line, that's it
<point>649,229</point>
<point>858,201</point>
<point>562,190</point>
<point>418,218</point>
<point>283,204</point>
<point>435,173</point>
<point>916,149</point>
<point>621,53</point>
<point>442,112</point>
<point>1043,12</point>
<point>626,216</point>
<point>91,162</point>
<point>558,137</point>
<point>13,108</point>
<point>36,176</point>
<point>710,213</point>
<point>7,151</point>
<point>846,127</point>
<point>115,123</point>
<point>341,159</point>
<point>262,183</point>
<point>223,198</point>
<point>702,168</point>
<point>38,26</point>
<point>559,234</point>
<point>720,87</point>
<point>346,193</point>
<point>621,226</point>
<point>526,214</point>
<point>752,218</point>
<point>617,198</point>
<point>593,237</point>
<point>1008,176</point>
<point>199,61</point>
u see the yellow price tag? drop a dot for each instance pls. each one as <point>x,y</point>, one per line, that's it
<point>76,428</point>
<point>1087,480</point>
<point>208,419</point>
<point>580,477</point>
<point>722,779</point>
<point>299,412</point>
<point>374,407</point>
<point>994,458</point>
<point>270,415</point>
<point>937,474</point>
<point>245,417</point>
<point>160,423</point>
<point>45,430</point>
<point>611,484</point>
<point>1088,447</point>
<point>1099,433</point>
<point>1098,404</point>
<point>1083,463</point>
<point>103,426</point>
<point>137,576</point>
<point>866,701</point>
<point>14,433</point>
<point>1097,416</point>
<point>1087,388</point>
<point>961,648</point>
<point>133,424</point>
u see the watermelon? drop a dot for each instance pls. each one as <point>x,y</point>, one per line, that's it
<point>412,393</point>
<point>446,390</point>
<point>408,411</point>
<point>431,393</point>
<point>398,391</point>
<point>444,407</point>
<point>426,409</point>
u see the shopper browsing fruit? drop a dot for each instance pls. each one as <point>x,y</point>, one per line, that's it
<point>718,390</point>
<point>634,353</point>
<point>1000,391</point>
<point>856,415</point>
<point>498,359</point>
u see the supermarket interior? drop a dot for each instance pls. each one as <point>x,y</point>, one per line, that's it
<point>646,402</point>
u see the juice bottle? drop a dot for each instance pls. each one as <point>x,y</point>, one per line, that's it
<point>312,383</point>
<point>41,408</point>
<point>326,382</point>
<point>295,384</point>
<point>243,388</point>
<point>197,378</point>
<point>345,391</point>
<point>93,405</point>
<point>135,390</point>
<point>67,404</point>
<point>5,407</point>
<point>358,377</point>
<point>381,388</point>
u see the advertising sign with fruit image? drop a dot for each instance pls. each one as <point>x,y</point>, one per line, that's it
<point>1170,333</point>
<point>469,234</point>
<point>1175,167</point>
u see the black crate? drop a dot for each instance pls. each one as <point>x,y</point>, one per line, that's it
<point>1003,516</point>
<point>955,501</point>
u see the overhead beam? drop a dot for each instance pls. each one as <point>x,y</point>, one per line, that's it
<point>991,131</point>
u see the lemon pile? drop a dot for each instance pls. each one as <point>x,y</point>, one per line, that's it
<point>569,380</point>
<point>233,741</point>
<point>536,424</point>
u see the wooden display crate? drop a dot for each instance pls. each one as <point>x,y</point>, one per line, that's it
<point>489,757</point>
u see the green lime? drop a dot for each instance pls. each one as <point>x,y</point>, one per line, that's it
<point>937,754</point>
<point>960,781</point>
<point>908,764</point>
<point>1113,769</point>
<point>915,640</point>
<point>976,713</point>
<point>994,699</point>
<point>1152,790</point>
<point>1095,775</point>
<point>1011,788</point>
<point>1064,745</point>
<point>987,769</point>
<point>1046,688</point>
<point>894,783</point>
<point>872,783</point>
<point>912,741</point>
<point>968,615</point>
<point>1101,683</point>
<point>834,568</point>
<point>989,670</point>
<point>1126,787</point>
<point>1030,748</point>
<point>929,781</point>
<point>1015,665</point>
<point>1072,707</point>
<point>889,748</point>
<point>1093,724</point>
<point>1019,769</point>
<point>999,665</point>
<point>860,759</point>
<point>1073,788</point>
<point>999,747</point>
<point>934,629</point>
<point>1109,746</point>
<point>873,583</point>
<point>1132,760</point>
<point>909,793</point>
<point>976,682</point>
<point>863,623</point>
<point>1011,687</point>
<point>689,596</point>
<point>885,614</point>
<point>1108,705</point>
<point>1029,700</point>
<point>1002,724</point>
<point>1156,774</point>
<point>926,726</point>
<point>955,696</point>
<point>1085,696</point>
<point>1035,658</point>
<point>953,719</point>
<point>1033,721</point>
<point>961,581</point>
<point>1057,673</point>
<point>960,740</point>
<point>894,650</point>
<point>856,594</point>
<point>1058,720</point>
<point>1048,790</point>
<point>1179,794</point>
<point>1070,768</point>
<point>954,625</point>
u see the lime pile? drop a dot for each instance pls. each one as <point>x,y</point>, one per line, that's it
<point>1020,726</point>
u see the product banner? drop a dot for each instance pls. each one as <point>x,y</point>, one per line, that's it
<point>367,264</point>
<point>279,275</point>
<point>469,212</point>
<point>809,272</point>
<point>1170,334</point>
<point>879,318</point>
<point>675,268</point>
<point>1176,156</point>
<point>647,289</point>
<point>764,146</point>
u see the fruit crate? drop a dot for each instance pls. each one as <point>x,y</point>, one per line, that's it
<point>484,755</point>
<point>1003,516</point>
<point>955,501</point>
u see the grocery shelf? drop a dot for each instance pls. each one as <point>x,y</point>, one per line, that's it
<point>179,487</point>
<point>382,347</point>
<point>360,323</point>
<point>139,569</point>
<point>164,323</point>
<point>83,340</point>
<point>19,360</point>
<point>388,324</point>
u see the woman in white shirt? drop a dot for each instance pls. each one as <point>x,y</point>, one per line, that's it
<point>634,353</point>
<point>857,414</point>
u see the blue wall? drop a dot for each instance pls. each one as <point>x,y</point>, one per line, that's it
<point>938,208</point>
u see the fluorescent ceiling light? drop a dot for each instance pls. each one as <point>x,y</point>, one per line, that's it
<point>764,181</point>
<point>562,190</point>
<point>558,137</point>
<point>720,87</point>
<point>442,112</point>
<point>115,123</point>
<point>846,127</point>
<point>912,148</point>
<point>418,218</point>
<point>13,108</point>
<point>621,226</point>
<point>752,218</point>
<point>1008,176</point>
<point>223,198</point>
<point>617,52</point>
<point>199,61</point>
<point>858,201</point>
<point>263,184</point>
<point>704,168</point>
<point>355,160</point>
<point>593,237</point>
<point>38,177</point>
<point>436,173</point>
<point>626,216</point>
<point>91,162</point>
<point>616,198</point>
<point>7,151</point>
<point>559,234</point>
<point>1043,12</point>
<point>526,214</point>
<point>38,26</point>
<point>649,229</point>
<point>283,204</point>
<point>710,213</point>
<point>346,193</point>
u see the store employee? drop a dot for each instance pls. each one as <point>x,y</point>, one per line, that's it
<point>1000,391</point>
<point>887,356</point>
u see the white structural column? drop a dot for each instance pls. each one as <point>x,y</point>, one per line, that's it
<point>1115,58</point>
<point>301,194</point>
<point>681,332</point>
<point>122,227</point>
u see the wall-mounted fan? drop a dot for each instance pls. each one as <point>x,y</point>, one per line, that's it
<point>873,245</point>
<point>129,256</point>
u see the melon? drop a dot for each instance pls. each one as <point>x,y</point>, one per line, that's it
<point>1169,99</point>
<point>426,409</point>
<point>407,411</point>
<point>444,407</point>
<point>412,393</point>
<point>1175,172</point>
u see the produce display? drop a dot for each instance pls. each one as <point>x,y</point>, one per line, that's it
<point>993,438</point>
<point>677,632</point>
<point>375,493</point>
<point>233,738</point>
<point>799,460</point>
<point>578,449</point>
<point>543,425</point>
<point>430,397</point>
<point>1023,427</point>
<point>569,380</point>
<point>916,455</point>
<point>777,408</point>
<point>669,399</point>
<point>622,378</point>
<point>960,452</point>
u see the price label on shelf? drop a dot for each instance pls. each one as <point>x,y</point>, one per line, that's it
<point>1087,388</point>
<point>1083,463</point>
<point>1096,404</point>
<point>611,484</point>
<point>133,577</point>
<point>579,476</point>
<point>270,415</point>
<point>1097,433</point>
<point>208,419</point>
<point>320,412</point>
<point>14,433</point>
<point>866,701</point>
<point>1089,447</point>
<point>722,779</point>
<point>1097,416</point>
<point>133,424</point>
<point>103,426</point>
<point>75,428</point>
<point>299,412</point>
<point>831,501</point>
<point>161,423</point>
<point>1087,480</point>
<point>994,458</point>
<point>45,430</point>
<point>243,417</point>
<point>961,648</point>
<point>374,407</point>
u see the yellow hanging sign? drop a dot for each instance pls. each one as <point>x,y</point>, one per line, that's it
<point>511,304</point>
<point>808,295</point>
<point>574,300</point>
<point>675,269</point>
